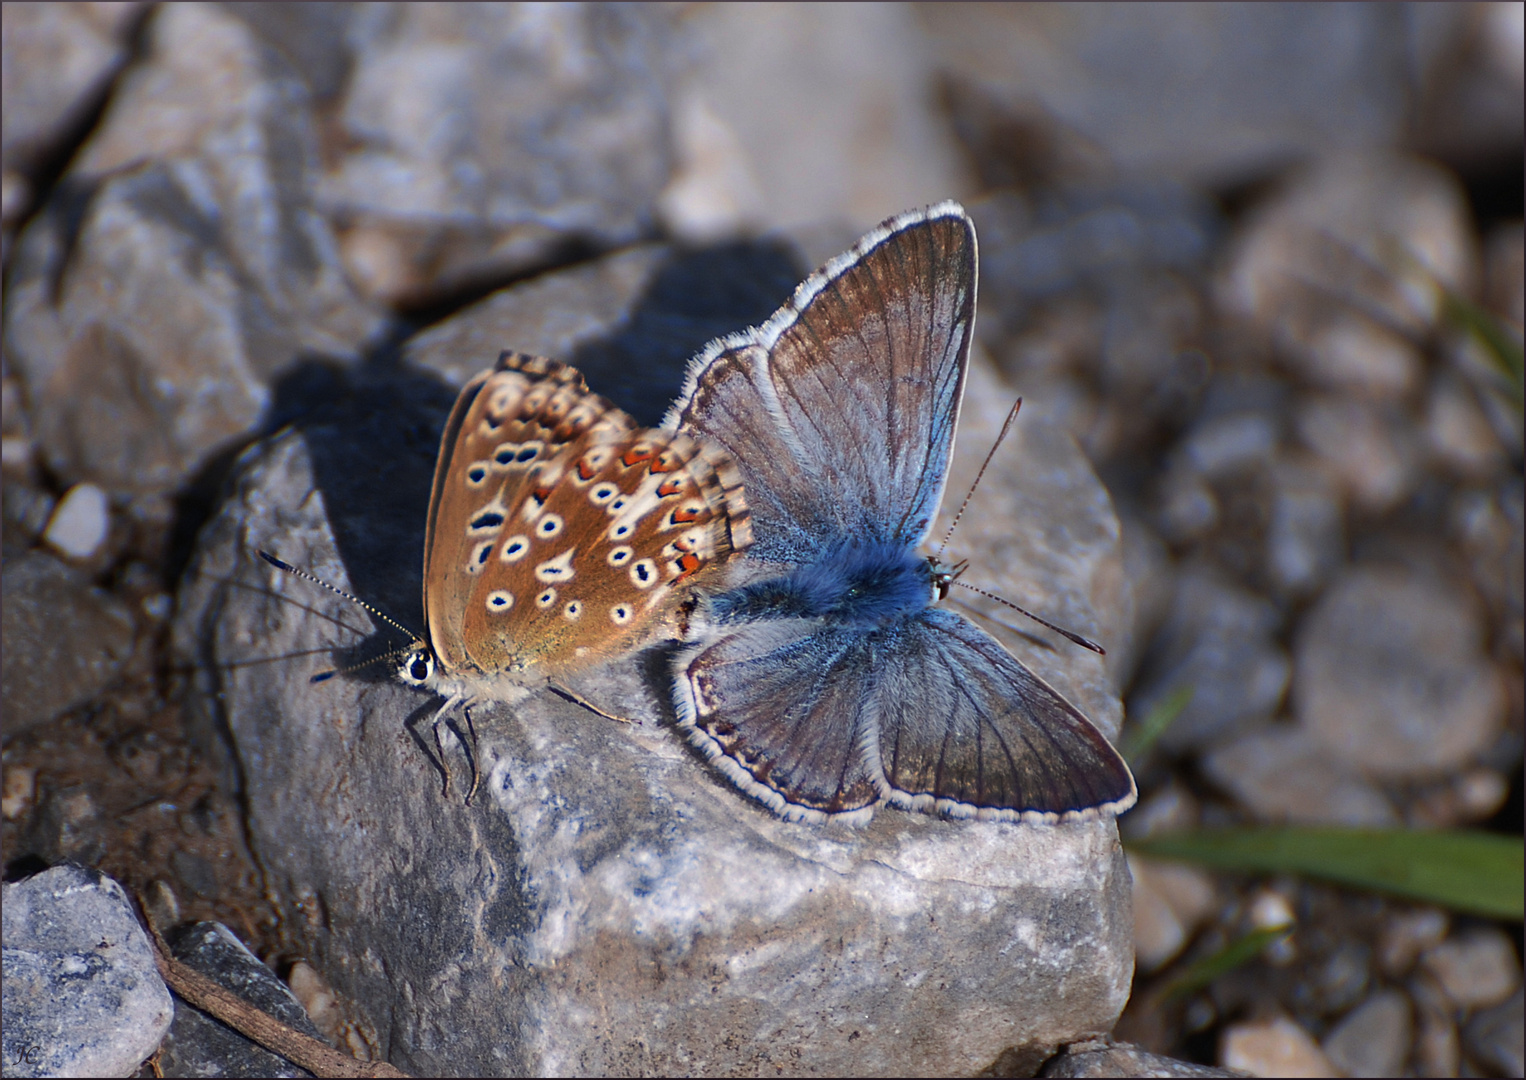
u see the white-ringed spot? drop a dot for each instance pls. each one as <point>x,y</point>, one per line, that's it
<point>573,609</point>
<point>619,504</point>
<point>644,574</point>
<point>621,555</point>
<point>557,569</point>
<point>602,493</point>
<point>621,614</point>
<point>509,455</point>
<point>487,520</point>
<point>548,527</point>
<point>476,473</point>
<point>499,600</point>
<point>546,599</point>
<point>478,557</point>
<point>514,548</point>
<point>506,397</point>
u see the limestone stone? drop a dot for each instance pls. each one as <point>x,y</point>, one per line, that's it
<point>610,903</point>
<point>83,996</point>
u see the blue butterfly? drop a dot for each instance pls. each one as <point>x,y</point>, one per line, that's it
<point>822,679</point>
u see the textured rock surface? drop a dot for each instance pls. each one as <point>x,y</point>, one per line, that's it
<point>196,1044</point>
<point>1122,1059</point>
<point>181,266</point>
<point>63,641</point>
<point>82,994</point>
<point>610,904</point>
<point>557,135</point>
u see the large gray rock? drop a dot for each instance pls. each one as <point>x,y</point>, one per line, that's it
<point>83,995</point>
<point>180,266</point>
<point>610,904</point>
<point>474,141</point>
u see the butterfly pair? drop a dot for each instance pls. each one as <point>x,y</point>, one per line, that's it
<point>772,524</point>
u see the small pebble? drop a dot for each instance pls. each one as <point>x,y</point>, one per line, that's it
<point>19,789</point>
<point>1305,537</point>
<point>1271,909</point>
<point>1219,641</point>
<point>1374,1038</point>
<point>1276,1047</point>
<point>80,522</point>
<point>1361,448</point>
<point>1496,1038</point>
<point>1437,1051</point>
<point>1390,676</point>
<point>1282,775</point>
<point>1406,934</point>
<point>1476,969</point>
<point>1171,900</point>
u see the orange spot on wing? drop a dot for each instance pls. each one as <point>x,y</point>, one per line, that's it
<point>669,487</point>
<point>687,564</point>
<point>682,517</point>
<point>664,464</point>
<point>585,470</point>
<point>635,456</point>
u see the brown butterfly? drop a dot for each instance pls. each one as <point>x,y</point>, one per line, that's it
<point>561,534</point>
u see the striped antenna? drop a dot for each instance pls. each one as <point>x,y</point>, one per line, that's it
<point>414,639</point>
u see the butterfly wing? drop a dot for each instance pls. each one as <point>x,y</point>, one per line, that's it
<point>929,713</point>
<point>840,410</point>
<point>559,531</point>
<point>776,705</point>
<point>964,728</point>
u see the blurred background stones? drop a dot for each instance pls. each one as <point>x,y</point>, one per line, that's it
<point>1233,248</point>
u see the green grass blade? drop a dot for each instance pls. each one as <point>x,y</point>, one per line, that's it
<point>1475,872</point>
<point>1140,737</point>
<point>1237,952</point>
<point>1491,333</point>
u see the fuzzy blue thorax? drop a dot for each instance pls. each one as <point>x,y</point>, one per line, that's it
<point>863,585</point>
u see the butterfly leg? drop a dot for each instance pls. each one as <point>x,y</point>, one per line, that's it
<point>579,699</point>
<point>439,718</point>
<point>471,752</point>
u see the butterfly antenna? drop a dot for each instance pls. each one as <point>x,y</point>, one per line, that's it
<point>1005,428</point>
<point>1085,643</point>
<point>383,616</point>
<point>325,676</point>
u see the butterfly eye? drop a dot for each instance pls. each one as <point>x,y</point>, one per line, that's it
<point>500,600</point>
<point>417,667</point>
